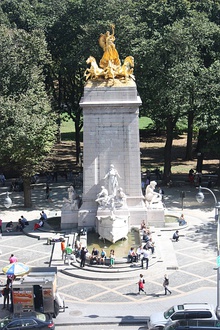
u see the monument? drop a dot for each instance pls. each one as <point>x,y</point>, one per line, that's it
<point>111,152</point>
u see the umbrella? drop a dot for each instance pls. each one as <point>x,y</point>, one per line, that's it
<point>16,269</point>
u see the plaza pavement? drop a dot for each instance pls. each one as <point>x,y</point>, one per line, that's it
<point>189,263</point>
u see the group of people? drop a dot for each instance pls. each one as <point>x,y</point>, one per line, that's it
<point>40,223</point>
<point>100,258</point>
<point>141,284</point>
<point>144,250</point>
<point>81,252</point>
<point>142,254</point>
<point>22,222</point>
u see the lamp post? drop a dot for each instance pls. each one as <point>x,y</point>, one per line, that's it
<point>200,198</point>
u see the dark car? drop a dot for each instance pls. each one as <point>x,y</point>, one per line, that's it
<point>193,325</point>
<point>27,321</point>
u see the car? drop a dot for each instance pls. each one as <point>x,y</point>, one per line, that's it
<point>193,325</point>
<point>180,312</point>
<point>29,321</point>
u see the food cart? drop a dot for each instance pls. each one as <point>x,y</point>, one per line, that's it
<point>37,291</point>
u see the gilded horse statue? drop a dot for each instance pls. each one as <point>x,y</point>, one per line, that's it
<point>94,71</point>
<point>127,69</point>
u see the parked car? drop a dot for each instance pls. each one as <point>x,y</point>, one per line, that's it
<point>193,325</point>
<point>182,312</point>
<point>27,321</point>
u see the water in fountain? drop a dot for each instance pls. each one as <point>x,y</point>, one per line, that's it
<point>121,247</point>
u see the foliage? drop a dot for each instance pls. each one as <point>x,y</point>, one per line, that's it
<point>176,46</point>
<point>27,125</point>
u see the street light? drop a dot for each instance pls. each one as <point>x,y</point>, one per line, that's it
<point>200,197</point>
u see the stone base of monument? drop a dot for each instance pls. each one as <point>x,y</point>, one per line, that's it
<point>112,226</point>
<point>87,218</point>
<point>156,218</point>
<point>137,209</point>
<point>69,219</point>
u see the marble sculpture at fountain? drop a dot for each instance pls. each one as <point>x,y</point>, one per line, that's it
<point>112,213</point>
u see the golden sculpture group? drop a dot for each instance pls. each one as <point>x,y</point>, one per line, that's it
<point>110,65</point>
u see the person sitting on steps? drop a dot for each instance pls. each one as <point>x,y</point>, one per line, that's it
<point>132,255</point>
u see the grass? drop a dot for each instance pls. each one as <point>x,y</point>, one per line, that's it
<point>68,127</point>
<point>152,148</point>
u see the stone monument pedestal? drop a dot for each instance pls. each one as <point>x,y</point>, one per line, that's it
<point>155,217</point>
<point>69,219</point>
<point>111,136</point>
<point>112,225</point>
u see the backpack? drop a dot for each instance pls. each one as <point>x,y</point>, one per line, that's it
<point>166,282</point>
<point>144,281</point>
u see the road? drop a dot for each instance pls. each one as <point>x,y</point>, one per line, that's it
<point>102,327</point>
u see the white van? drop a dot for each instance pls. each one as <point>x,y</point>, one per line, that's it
<point>182,312</point>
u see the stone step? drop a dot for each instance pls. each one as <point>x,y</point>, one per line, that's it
<point>124,267</point>
<point>114,275</point>
<point>96,273</point>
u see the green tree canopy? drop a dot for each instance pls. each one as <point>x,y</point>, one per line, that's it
<point>27,125</point>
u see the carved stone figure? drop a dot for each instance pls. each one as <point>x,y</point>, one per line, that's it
<point>112,178</point>
<point>102,197</point>
<point>120,199</point>
<point>72,203</point>
<point>151,196</point>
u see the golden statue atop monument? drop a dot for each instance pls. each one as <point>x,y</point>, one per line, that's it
<point>110,65</point>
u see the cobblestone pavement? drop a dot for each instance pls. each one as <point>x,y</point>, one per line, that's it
<point>96,301</point>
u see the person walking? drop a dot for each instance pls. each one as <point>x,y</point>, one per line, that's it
<point>6,293</point>
<point>165,284</point>
<point>141,283</point>
<point>83,256</point>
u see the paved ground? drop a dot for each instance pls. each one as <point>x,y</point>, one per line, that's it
<point>117,302</point>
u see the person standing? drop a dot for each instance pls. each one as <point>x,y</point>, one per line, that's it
<point>69,252</point>
<point>12,259</point>
<point>165,284</point>
<point>83,256</point>
<point>48,190</point>
<point>6,293</point>
<point>141,283</point>
<point>63,247</point>
<point>112,258</point>
<point>146,255</point>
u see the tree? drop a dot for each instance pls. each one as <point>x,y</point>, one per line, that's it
<point>171,59</point>
<point>27,124</point>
